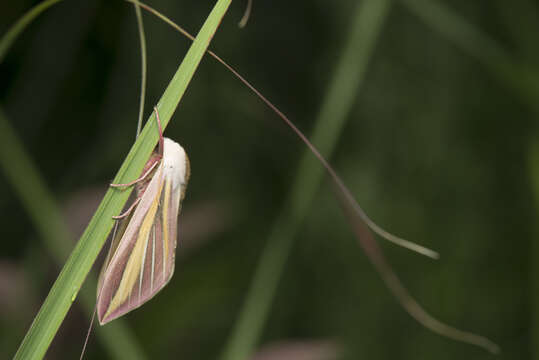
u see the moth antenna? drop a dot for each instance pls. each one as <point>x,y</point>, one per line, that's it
<point>246,14</point>
<point>161,141</point>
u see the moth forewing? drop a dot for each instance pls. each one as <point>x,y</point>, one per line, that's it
<point>142,262</point>
<point>119,229</point>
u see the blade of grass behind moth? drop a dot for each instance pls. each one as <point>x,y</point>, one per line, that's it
<point>143,66</point>
<point>67,285</point>
<point>46,216</point>
<point>21,24</point>
<point>520,79</point>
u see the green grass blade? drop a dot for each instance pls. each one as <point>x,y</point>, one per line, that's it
<point>66,287</point>
<point>367,23</point>
<point>21,24</point>
<point>45,214</point>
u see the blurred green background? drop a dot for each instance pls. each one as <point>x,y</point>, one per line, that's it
<point>440,146</point>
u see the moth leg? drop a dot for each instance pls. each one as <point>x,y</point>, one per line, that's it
<point>128,211</point>
<point>144,176</point>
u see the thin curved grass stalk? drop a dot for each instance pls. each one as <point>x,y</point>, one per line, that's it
<point>143,66</point>
<point>360,212</point>
<point>379,261</point>
<point>361,224</point>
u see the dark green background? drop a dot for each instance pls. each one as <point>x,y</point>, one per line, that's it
<point>438,149</point>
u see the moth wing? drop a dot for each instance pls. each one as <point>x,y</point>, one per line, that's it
<point>143,261</point>
<point>119,230</point>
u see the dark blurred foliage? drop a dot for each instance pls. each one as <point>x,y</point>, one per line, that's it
<point>435,150</point>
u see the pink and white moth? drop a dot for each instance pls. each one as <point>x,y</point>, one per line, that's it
<point>140,261</point>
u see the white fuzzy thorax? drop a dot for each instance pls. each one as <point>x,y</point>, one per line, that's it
<point>174,163</point>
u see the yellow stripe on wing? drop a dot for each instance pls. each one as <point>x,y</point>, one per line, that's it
<point>133,267</point>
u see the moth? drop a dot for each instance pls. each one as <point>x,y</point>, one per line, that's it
<point>141,258</point>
